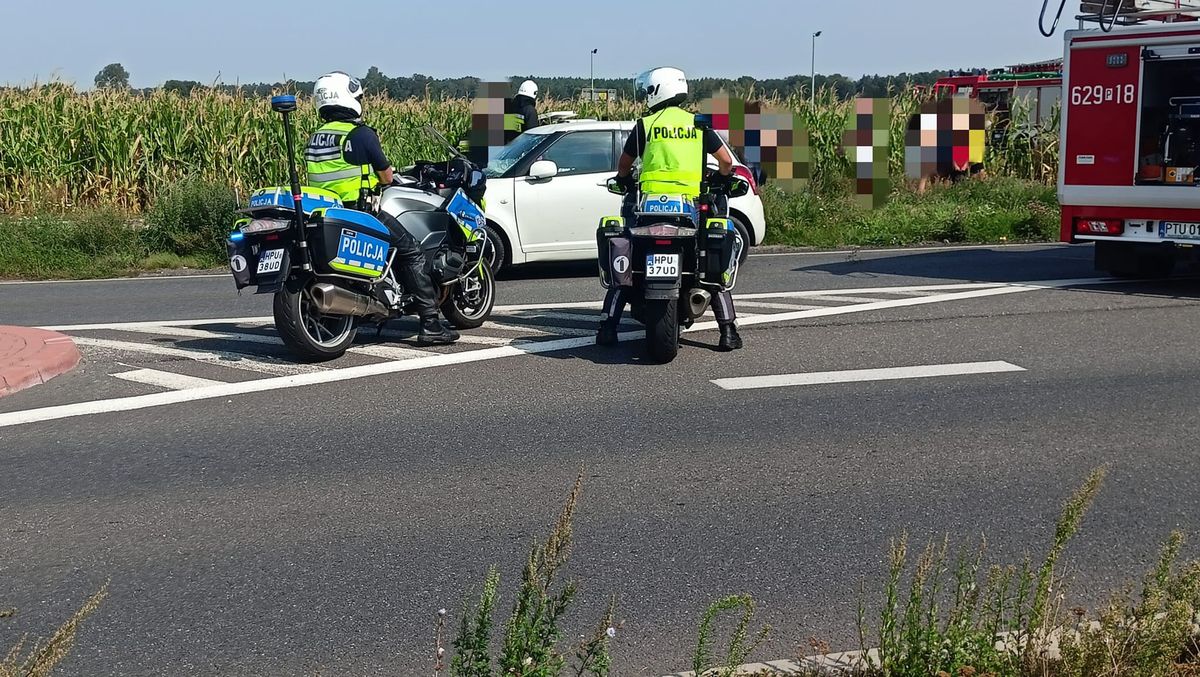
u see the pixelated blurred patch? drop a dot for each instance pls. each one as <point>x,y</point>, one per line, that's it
<point>945,136</point>
<point>487,132</point>
<point>866,143</point>
<point>771,140</point>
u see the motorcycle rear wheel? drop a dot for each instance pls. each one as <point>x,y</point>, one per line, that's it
<point>662,329</point>
<point>304,330</point>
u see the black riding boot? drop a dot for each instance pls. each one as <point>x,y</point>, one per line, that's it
<point>433,331</point>
<point>730,339</point>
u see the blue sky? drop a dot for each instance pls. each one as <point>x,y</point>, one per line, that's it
<point>268,40</point>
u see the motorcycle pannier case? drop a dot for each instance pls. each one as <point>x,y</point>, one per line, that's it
<point>614,253</point>
<point>352,243</point>
<point>720,245</point>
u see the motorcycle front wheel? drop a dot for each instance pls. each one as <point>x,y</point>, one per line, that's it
<point>470,301</point>
<point>662,329</point>
<point>304,330</point>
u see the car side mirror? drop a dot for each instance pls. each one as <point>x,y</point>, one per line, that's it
<point>543,169</point>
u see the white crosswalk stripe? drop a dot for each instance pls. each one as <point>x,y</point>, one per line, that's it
<point>164,379</point>
<point>223,357</point>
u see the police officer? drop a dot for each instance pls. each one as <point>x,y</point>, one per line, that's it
<point>673,151</point>
<point>521,115</point>
<point>344,156</point>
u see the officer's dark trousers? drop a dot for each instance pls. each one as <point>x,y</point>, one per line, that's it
<point>412,267</point>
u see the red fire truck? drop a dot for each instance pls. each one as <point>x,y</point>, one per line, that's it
<point>1130,137</point>
<point>1038,85</point>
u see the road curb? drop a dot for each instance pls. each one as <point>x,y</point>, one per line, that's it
<point>831,664</point>
<point>30,357</point>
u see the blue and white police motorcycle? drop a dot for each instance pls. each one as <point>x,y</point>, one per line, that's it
<point>330,267</point>
<point>671,258</point>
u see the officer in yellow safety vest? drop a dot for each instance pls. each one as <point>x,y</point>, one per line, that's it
<point>345,156</point>
<point>673,151</point>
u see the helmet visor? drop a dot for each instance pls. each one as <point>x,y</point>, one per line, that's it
<point>641,86</point>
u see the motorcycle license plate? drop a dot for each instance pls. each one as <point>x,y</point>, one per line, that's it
<point>660,266</point>
<point>270,261</point>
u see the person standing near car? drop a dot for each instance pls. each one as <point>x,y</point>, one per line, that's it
<point>522,115</point>
<point>344,156</point>
<point>673,151</point>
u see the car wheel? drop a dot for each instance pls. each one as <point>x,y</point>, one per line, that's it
<point>496,253</point>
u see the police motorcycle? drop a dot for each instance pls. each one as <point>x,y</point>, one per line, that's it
<point>330,267</point>
<point>671,259</point>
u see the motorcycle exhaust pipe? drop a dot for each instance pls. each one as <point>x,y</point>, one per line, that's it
<point>333,300</point>
<point>698,300</point>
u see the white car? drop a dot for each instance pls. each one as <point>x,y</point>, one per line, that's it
<point>546,193</point>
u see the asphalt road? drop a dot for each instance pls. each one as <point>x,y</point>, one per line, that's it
<point>297,528</point>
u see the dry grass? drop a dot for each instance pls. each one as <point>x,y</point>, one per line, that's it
<point>40,658</point>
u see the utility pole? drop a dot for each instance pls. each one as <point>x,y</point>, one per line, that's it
<point>592,58</point>
<point>812,92</point>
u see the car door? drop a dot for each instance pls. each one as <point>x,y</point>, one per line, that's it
<point>557,216</point>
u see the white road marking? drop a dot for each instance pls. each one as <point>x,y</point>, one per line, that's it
<point>856,375</point>
<point>837,298</point>
<point>917,301</point>
<point>160,323</point>
<point>294,381</point>
<point>525,348</point>
<point>541,330</point>
<point>165,379</point>
<point>390,352</point>
<point>463,337</point>
<point>590,305</point>
<point>774,306</point>
<point>185,332</point>
<point>547,315</point>
<point>939,288</point>
<point>221,357</point>
<point>1047,284</point>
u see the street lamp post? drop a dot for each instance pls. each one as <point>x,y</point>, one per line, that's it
<point>812,93</point>
<point>592,59</point>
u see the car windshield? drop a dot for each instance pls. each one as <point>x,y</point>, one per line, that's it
<point>512,154</point>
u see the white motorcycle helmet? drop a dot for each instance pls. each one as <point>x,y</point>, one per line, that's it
<point>528,88</point>
<point>338,89</point>
<point>661,85</point>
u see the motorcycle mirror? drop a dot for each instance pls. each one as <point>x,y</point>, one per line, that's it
<point>615,187</point>
<point>739,187</point>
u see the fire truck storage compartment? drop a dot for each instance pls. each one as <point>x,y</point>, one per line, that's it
<point>1169,138</point>
<point>1100,100</point>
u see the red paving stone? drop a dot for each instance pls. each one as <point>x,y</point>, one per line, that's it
<point>30,356</point>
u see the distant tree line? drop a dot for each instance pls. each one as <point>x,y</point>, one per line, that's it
<point>422,86</point>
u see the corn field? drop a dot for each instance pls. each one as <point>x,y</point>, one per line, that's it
<point>62,150</point>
